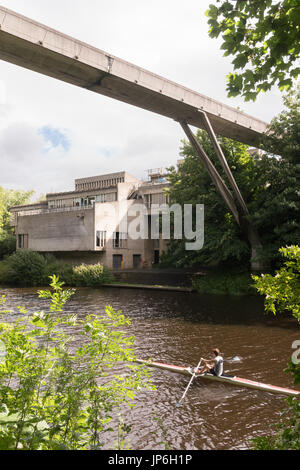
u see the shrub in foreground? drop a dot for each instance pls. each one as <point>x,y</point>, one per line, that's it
<point>58,391</point>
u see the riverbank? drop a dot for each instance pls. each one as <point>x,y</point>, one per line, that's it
<point>123,285</point>
<point>204,281</point>
<point>225,283</point>
<point>28,268</point>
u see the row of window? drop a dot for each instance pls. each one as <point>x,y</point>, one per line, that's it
<point>119,239</point>
<point>156,198</point>
<point>82,201</point>
<point>137,261</point>
<point>99,184</point>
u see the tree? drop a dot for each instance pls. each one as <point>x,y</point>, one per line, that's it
<point>192,185</point>
<point>269,188</point>
<point>9,198</point>
<point>264,38</point>
<point>269,185</point>
<point>282,291</point>
<point>283,136</point>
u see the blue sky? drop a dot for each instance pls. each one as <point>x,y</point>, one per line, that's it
<point>55,137</point>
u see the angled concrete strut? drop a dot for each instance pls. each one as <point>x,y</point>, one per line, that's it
<point>240,211</point>
<point>213,173</point>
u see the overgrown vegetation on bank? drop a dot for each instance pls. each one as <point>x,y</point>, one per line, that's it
<point>230,282</point>
<point>29,268</point>
<point>59,390</point>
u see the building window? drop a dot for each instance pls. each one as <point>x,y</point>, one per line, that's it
<point>120,240</point>
<point>100,239</point>
<point>101,198</point>
<point>155,198</point>
<point>51,204</point>
<point>23,241</point>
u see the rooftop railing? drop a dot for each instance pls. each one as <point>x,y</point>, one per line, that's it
<point>53,210</point>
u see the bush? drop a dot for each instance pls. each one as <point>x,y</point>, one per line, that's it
<point>91,275</point>
<point>62,270</point>
<point>24,268</point>
<point>28,268</point>
<point>7,244</point>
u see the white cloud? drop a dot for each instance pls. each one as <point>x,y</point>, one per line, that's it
<point>169,38</point>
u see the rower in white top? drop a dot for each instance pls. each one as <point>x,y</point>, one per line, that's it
<point>213,366</point>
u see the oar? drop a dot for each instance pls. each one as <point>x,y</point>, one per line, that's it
<point>185,392</point>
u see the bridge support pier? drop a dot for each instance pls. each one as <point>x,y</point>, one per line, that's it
<point>235,201</point>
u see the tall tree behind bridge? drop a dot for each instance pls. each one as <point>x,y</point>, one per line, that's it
<point>269,184</point>
<point>263,36</point>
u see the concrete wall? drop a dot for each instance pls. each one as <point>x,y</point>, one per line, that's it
<point>62,231</point>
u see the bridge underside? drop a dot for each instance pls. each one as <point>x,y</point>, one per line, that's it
<point>29,44</point>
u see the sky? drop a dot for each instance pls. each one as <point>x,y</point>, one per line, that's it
<point>52,132</point>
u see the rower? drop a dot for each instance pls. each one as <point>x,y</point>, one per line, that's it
<point>213,366</point>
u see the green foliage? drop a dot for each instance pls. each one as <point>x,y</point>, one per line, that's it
<point>7,244</point>
<point>287,432</point>
<point>263,36</point>
<point>9,198</point>
<point>282,291</point>
<point>269,187</point>
<point>229,283</point>
<point>59,391</point>
<point>283,136</point>
<point>91,275</point>
<point>52,266</point>
<point>282,294</point>
<point>29,268</point>
<point>192,185</point>
<point>24,267</point>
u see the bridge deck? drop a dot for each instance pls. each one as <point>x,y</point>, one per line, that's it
<point>29,44</point>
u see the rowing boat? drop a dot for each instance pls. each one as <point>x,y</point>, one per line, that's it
<point>233,380</point>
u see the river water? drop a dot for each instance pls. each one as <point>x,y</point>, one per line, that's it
<point>179,328</point>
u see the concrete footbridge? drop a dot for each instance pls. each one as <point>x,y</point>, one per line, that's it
<point>29,44</point>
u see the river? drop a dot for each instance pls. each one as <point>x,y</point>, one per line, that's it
<point>179,328</point>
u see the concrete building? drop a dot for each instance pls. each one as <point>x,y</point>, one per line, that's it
<point>90,223</point>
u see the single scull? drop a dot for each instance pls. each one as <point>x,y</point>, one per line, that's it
<point>223,378</point>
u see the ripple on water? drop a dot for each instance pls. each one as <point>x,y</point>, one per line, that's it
<point>180,328</point>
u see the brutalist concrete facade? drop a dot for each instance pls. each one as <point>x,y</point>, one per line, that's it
<point>87,225</point>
